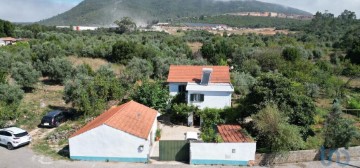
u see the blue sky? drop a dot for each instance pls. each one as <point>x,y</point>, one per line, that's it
<point>35,10</point>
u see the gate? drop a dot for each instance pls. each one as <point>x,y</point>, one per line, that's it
<point>174,150</point>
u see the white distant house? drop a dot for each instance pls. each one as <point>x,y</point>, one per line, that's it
<point>123,134</point>
<point>203,86</point>
<point>82,28</point>
<point>7,41</point>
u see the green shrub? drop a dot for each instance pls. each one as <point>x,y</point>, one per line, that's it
<point>59,69</point>
<point>353,103</point>
<point>158,133</point>
<point>314,142</point>
<point>181,111</point>
<point>152,94</point>
<point>24,74</point>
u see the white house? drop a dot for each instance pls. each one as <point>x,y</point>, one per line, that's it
<point>203,86</point>
<point>124,134</point>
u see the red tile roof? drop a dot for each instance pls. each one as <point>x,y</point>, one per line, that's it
<point>186,73</point>
<point>132,117</point>
<point>232,133</point>
<point>8,39</point>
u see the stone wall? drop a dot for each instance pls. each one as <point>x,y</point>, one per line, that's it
<point>340,154</point>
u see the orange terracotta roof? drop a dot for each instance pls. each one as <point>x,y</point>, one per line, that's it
<point>232,133</point>
<point>8,39</point>
<point>186,73</point>
<point>132,117</point>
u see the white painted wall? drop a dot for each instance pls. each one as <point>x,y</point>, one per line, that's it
<point>222,151</point>
<point>82,28</point>
<point>105,141</point>
<point>217,100</point>
<point>174,88</point>
<point>152,134</point>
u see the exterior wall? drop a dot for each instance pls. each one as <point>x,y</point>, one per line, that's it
<point>222,153</point>
<point>152,134</point>
<point>108,144</point>
<point>341,154</point>
<point>211,99</point>
<point>174,88</point>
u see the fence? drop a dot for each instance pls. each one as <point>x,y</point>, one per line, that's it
<point>222,153</point>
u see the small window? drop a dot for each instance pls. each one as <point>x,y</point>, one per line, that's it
<point>197,97</point>
<point>7,134</point>
<point>182,88</point>
<point>21,134</point>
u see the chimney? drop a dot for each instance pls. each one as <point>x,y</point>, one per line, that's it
<point>206,75</point>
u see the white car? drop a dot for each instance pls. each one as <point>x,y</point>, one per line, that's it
<point>191,136</point>
<point>14,137</point>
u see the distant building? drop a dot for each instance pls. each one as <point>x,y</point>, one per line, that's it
<point>8,40</point>
<point>163,24</point>
<point>82,28</point>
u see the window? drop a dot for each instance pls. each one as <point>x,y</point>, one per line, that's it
<point>6,134</point>
<point>21,134</point>
<point>197,97</point>
<point>182,88</point>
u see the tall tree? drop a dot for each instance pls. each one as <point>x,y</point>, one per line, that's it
<point>151,94</point>
<point>126,24</point>
<point>25,75</point>
<point>338,131</point>
<point>276,133</point>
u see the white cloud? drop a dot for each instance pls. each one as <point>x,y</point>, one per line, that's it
<point>33,10</point>
<point>333,6</point>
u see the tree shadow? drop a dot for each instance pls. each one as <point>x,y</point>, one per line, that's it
<point>50,82</point>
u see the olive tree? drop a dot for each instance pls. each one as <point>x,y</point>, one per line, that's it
<point>25,74</point>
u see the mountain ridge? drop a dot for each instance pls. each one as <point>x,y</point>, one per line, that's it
<point>105,12</point>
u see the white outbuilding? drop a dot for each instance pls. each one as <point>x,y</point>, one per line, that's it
<point>124,134</point>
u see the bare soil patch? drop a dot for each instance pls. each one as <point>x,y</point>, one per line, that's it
<point>195,46</point>
<point>94,63</point>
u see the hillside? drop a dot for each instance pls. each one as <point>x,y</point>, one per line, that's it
<point>105,12</point>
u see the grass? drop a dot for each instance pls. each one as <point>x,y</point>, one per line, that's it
<point>37,103</point>
<point>95,63</point>
<point>42,147</point>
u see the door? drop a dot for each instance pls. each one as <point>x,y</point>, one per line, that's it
<point>174,150</point>
<point>5,137</point>
<point>1,137</point>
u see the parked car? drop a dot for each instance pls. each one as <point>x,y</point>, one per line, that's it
<point>53,119</point>
<point>14,137</point>
<point>191,136</point>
